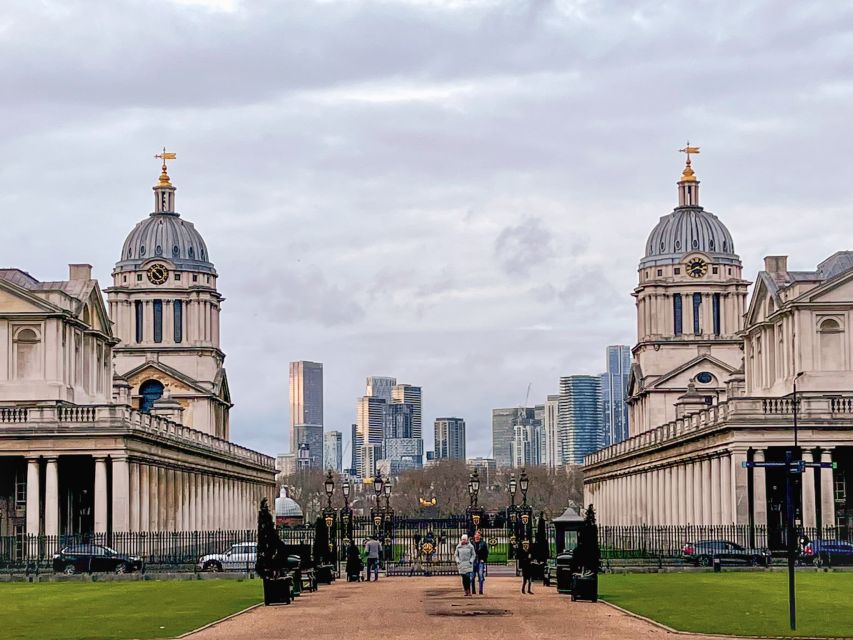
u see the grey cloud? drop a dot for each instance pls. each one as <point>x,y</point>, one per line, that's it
<point>519,248</point>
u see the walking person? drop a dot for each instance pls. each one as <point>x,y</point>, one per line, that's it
<point>464,556</point>
<point>524,564</point>
<point>481,551</point>
<point>373,550</point>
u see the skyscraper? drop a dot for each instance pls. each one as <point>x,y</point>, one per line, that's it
<point>614,388</point>
<point>355,448</point>
<point>306,399</point>
<point>333,451</point>
<point>449,439</point>
<point>370,427</point>
<point>580,417</point>
<point>551,429</point>
<point>380,387</point>
<point>309,437</point>
<point>409,394</point>
<point>503,421</point>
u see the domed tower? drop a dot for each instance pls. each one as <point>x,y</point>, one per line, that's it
<point>165,307</point>
<point>690,299</point>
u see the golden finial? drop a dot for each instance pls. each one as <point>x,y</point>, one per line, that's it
<point>687,175</point>
<point>164,177</point>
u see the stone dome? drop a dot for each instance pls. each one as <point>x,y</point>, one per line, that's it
<point>287,507</point>
<point>166,236</point>
<point>685,230</point>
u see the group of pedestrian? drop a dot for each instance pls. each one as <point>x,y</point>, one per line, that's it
<point>471,558</point>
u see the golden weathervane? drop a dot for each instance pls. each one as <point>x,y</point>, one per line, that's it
<point>164,177</point>
<point>688,174</point>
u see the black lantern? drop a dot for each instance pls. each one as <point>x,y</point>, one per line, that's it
<point>524,483</point>
<point>377,484</point>
<point>475,482</point>
<point>329,485</point>
<point>512,486</point>
<point>345,490</point>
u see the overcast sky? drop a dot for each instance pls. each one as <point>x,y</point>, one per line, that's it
<point>454,193</point>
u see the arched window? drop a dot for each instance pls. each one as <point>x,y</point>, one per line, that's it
<point>831,337</point>
<point>27,354</point>
<point>149,391</point>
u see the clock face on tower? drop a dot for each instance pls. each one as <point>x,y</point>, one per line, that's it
<point>696,267</point>
<point>158,273</point>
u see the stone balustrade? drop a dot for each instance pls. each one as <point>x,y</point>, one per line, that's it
<point>811,408</point>
<point>71,416</point>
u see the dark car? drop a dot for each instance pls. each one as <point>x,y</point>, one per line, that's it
<point>89,558</point>
<point>827,552</point>
<point>703,552</point>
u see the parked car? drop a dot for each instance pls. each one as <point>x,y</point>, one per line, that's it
<point>703,552</point>
<point>822,552</point>
<point>237,558</point>
<point>89,558</point>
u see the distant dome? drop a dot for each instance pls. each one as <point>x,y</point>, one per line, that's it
<point>685,230</point>
<point>286,507</point>
<point>166,236</point>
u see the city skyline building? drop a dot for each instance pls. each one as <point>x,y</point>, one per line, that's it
<point>306,398</point>
<point>551,433</point>
<point>503,421</point>
<point>413,395</point>
<point>380,387</point>
<point>309,437</point>
<point>486,468</point>
<point>614,390</point>
<point>333,451</point>
<point>580,416</point>
<point>449,438</point>
<point>370,426</point>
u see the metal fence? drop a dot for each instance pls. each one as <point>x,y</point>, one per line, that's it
<point>405,550</point>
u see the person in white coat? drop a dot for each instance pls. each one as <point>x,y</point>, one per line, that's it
<point>465,555</point>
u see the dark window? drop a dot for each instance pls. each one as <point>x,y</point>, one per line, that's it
<point>704,377</point>
<point>150,390</point>
<point>697,309</point>
<point>660,272</point>
<point>715,270</point>
<point>677,271</point>
<point>158,321</point>
<point>139,277</point>
<point>177,276</point>
<point>195,278</point>
<point>139,320</point>
<point>730,271</point>
<point>676,312</point>
<point>716,314</point>
<point>178,306</point>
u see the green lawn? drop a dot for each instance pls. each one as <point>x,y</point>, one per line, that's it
<point>119,610</point>
<point>754,603</point>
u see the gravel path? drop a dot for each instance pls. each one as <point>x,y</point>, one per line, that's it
<point>432,609</point>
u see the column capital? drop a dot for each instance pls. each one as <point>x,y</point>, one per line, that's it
<point>100,457</point>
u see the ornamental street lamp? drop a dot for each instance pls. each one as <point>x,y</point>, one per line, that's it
<point>524,483</point>
<point>475,486</point>
<point>386,487</point>
<point>346,516</point>
<point>329,485</point>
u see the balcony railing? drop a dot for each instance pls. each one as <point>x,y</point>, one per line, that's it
<point>811,408</point>
<point>118,416</point>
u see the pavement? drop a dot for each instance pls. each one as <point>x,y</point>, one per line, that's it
<point>433,608</point>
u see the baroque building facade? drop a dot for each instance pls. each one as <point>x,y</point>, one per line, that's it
<point>712,382</point>
<point>114,417</point>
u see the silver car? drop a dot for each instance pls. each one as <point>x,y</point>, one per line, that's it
<point>240,557</point>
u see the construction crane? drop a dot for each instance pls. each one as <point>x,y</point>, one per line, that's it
<point>522,413</point>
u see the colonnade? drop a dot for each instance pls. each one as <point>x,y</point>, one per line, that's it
<point>147,497</point>
<point>711,488</point>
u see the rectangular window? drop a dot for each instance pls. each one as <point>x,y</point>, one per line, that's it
<point>716,314</point>
<point>660,272</point>
<point>20,492</point>
<point>677,270</point>
<point>178,307</point>
<point>158,321</point>
<point>715,270</point>
<point>676,313</point>
<point>697,310</point>
<point>177,276</point>
<point>139,277</point>
<point>195,278</point>
<point>139,319</point>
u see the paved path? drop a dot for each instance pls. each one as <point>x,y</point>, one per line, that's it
<point>433,609</point>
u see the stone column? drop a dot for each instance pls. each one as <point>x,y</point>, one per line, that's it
<point>740,487</point>
<point>33,497</point>
<point>661,496</point>
<point>144,488</point>
<point>217,503</point>
<point>51,498</point>
<point>671,508</point>
<point>759,491</point>
<point>716,510</point>
<point>121,495</point>
<point>682,494</point>
<point>101,494</point>
<point>696,471</point>
<point>706,492</point>
<point>171,509</point>
<point>134,496</point>
<point>827,492</point>
<point>809,498</point>
<point>162,500</point>
<point>190,479</point>
<point>726,489</point>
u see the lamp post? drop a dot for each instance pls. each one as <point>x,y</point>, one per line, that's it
<point>346,515</point>
<point>329,514</point>
<point>513,487</point>
<point>376,511</point>
<point>388,515</point>
<point>474,512</point>
<point>526,512</point>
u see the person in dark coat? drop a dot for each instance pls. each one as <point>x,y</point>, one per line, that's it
<point>524,559</point>
<point>481,548</point>
<point>354,563</point>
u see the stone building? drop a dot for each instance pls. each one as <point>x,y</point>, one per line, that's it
<point>712,381</point>
<point>114,421</point>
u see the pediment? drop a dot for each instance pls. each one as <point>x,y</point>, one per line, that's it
<point>15,299</point>
<point>765,289</point>
<point>837,290</point>
<point>176,381</point>
<point>99,318</point>
<point>680,377</point>
<point>635,379</point>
